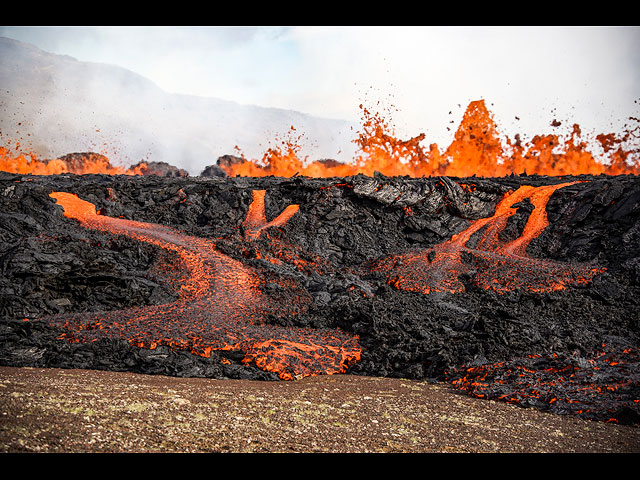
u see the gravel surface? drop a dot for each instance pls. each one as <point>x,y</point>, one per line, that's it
<point>54,410</point>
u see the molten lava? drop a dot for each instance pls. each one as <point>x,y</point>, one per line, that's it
<point>220,304</point>
<point>79,164</point>
<point>477,149</point>
<point>255,222</point>
<point>492,264</point>
<point>604,382</point>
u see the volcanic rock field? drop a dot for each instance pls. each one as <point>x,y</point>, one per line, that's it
<point>521,288</point>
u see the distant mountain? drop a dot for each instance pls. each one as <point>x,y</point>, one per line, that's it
<point>55,104</point>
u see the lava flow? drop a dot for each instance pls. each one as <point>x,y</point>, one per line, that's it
<point>255,222</point>
<point>568,383</point>
<point>219,307</point>
<point>492,264</point>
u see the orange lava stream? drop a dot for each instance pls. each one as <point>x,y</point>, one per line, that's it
<point>255,222</point>
<point>493,264</point>
<point>219,307</point>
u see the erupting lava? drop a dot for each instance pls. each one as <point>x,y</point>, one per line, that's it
<point>79,164</point>
<point>220,304</point>
<point>477,150</point>
<point>492,264</point>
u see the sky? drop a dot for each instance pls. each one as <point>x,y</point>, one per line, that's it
<point>420,78</point>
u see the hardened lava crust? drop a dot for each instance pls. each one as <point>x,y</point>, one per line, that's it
<point>521,289</point>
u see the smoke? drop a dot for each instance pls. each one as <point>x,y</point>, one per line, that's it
<point>583,75</point>
<point>56,105</point>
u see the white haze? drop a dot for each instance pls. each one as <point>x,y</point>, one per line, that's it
<point>56,105</point>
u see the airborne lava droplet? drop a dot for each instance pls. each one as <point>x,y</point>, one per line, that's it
<point>219,307</point>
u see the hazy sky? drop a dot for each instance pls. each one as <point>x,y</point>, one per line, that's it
<point>586,75</point>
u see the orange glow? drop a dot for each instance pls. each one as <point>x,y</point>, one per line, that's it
<point>496,265</point>
<point>540,383</point>
<point>90,163</point>
<point>220,306</point>
<point>477,149</point>
<point>255,222</point>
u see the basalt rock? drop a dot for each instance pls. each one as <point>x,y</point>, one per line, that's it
<point>162,169</point>
<point>353,255</point>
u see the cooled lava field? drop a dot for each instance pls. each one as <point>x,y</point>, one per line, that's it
<point>523,289</point>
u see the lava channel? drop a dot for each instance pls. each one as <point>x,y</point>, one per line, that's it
<point>492,264</point>
<point>219,307</point>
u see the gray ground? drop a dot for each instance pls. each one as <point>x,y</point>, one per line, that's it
<point>54,410</point>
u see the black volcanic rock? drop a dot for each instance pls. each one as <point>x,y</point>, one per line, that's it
<point>344,226</point>
<point>213,171</point>
<point>162,169</point>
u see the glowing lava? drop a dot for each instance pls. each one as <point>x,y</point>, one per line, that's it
<point>491,264</point>
<point>255,222</point>
<point>477,149</point>
<point>602,385</point>
<point>79,164</point>
<point>220,307</point>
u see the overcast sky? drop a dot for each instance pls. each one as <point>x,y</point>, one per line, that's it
<point>584,75</point>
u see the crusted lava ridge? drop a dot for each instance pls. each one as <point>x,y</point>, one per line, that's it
<point>344,250</point>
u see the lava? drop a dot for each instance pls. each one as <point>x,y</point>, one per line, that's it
<point>220,306</point>
<point>79,164</point>
<point>491,264</point>
<point>570,383</point>
<point>255,222</point>
<point>477,149</point>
